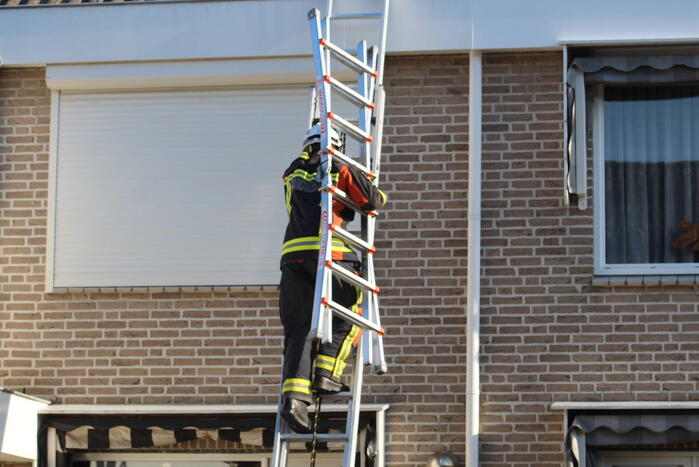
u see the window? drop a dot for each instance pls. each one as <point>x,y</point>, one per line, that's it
<point>642,107</point>
<point>176,186</point>
<point>172,188</point>
<point>646,144</point>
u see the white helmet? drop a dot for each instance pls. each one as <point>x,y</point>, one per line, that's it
<point>313,136</point>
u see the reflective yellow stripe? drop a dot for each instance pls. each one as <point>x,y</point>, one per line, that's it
<point>303,155</point>
<point>314,247</point>
<point>300,173</point>
<point>344,351</point>
<point>308,176</point>
<point>360,297</point>
<point>331,364</point>
<point>298,381</point>
<point>287,197</point>
<point>309,240</point>
<point>299,248</point>
<point>312,243</point>
<point>302,239</point>
<point>297,385</point>
<point>325,366</point>
<point>302,390</point>
<point>325,362</point>
<point>383,196</point>
<point>326,358</point>
<point>346,347</point>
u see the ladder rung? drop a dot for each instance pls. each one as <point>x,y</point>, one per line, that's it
<point>348,59</point>
<point>353,130</point>
<point>358,16</point>
<point>342,197</point>
<point>350,93</point>
<point>352,317</point>
<point>309,436</point>
<point>349,161</point>
<point>352,278</point>
<point>353,239</point>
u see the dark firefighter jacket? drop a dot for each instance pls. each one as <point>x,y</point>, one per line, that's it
<point>301,185</point>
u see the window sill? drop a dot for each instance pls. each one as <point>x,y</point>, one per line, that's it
<point>650,280</point>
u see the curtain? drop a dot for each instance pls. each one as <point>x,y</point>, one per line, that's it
<point>651,152</point>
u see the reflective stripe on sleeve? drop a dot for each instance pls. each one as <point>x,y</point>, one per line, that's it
<point>308,176</point>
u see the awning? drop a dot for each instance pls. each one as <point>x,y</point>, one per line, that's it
<point>86,428</point>
<point>646,69</point>
<point>120,432</point>
<point>589,432</point>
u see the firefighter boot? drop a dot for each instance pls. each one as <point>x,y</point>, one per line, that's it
<point>295,412</point>
<point>324,385</point>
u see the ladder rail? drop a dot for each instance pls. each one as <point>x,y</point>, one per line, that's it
<point>280,452</point>
<point>319,323</point>
<point>354,409</point>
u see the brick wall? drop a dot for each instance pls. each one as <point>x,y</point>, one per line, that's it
<point>224,347</point>
<point>425,233</point>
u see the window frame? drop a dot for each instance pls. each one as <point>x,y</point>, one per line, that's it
<point>601,267</point>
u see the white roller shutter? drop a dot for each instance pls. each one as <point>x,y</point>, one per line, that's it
<point>172,188</point>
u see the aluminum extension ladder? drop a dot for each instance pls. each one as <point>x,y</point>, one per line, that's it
<point>369,98</point>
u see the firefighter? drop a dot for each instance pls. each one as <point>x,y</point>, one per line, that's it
<point>299,262</point>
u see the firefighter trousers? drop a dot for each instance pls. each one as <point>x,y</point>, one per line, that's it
<point>296,313</point>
